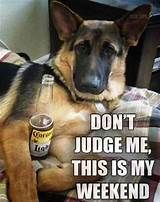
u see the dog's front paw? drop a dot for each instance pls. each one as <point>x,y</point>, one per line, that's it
<point>48,178</point>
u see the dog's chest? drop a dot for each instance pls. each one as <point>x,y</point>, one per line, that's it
<point>73,115</point>
<point>66,113</point>
<point>84,115</point>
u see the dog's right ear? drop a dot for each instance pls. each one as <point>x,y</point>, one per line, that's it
<point>133,24</point>
<point>65,20</point>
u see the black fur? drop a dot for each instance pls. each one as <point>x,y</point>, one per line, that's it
<point>7,73</point>
<point>28,89</point>
<point>29,85</point>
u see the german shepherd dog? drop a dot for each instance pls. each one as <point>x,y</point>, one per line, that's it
<point>90,68</point>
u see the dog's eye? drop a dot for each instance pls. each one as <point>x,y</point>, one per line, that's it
<point>83,47</point>
<point>108,49</point>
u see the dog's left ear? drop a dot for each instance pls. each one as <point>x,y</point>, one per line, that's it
<point>65,20</point>
<point>133,24</point>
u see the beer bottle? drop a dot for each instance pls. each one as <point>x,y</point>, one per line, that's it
<point>42,123</point>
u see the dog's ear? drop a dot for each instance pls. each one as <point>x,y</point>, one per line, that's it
<point>133,24</point>
<point>65,20</point>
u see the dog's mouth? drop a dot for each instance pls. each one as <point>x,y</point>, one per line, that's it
<point>89,86</point>
<point>87,94</point>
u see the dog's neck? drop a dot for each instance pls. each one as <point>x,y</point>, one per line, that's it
<point>58,74</point>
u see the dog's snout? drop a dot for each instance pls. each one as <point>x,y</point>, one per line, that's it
<point>89,83</point>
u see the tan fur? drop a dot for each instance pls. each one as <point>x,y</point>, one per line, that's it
<point>14,142</point>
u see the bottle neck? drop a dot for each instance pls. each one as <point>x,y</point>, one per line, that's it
<point>45,99</point>
<point>46,93</point>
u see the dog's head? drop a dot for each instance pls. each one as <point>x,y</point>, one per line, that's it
<point>92,58</point>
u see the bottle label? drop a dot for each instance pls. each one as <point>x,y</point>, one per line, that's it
<point>41,134</point>
<point>41,137</point>
<point>40,142</point>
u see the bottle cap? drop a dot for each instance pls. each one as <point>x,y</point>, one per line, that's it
<point>41,121</point>
<point>47,79</point>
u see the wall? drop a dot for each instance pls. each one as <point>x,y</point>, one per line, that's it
<point>24,26</point>
<point>129,5</point>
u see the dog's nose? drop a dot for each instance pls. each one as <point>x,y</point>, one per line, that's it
<point>89,84</point>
